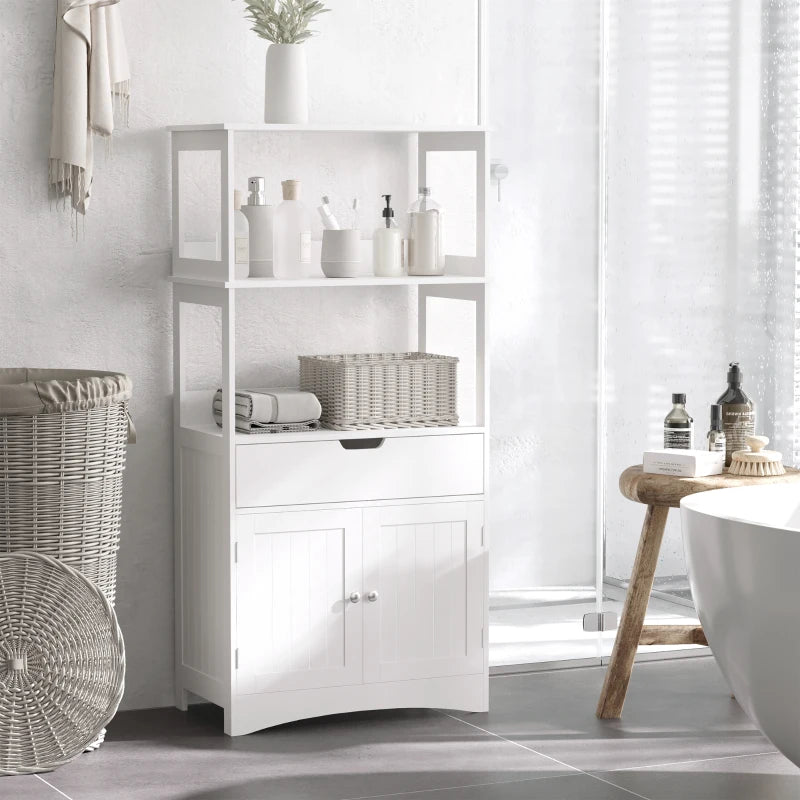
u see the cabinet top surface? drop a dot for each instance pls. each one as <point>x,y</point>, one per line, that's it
<point>325,127</point>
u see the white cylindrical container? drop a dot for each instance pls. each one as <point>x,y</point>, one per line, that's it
<point>241,237</point>
<point>261,219</point>
<point>286,84</point>
<point>341,253</point>
<point>291,235</point>
<point>425,236</point>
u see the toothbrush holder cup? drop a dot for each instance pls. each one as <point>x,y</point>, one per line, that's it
<point>341,253</point>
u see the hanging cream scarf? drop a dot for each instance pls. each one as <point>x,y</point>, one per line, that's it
<point>91,76</point>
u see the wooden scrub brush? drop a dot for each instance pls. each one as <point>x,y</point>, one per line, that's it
<point>757,462</point>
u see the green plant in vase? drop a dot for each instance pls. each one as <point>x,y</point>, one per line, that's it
<point>285,25</point>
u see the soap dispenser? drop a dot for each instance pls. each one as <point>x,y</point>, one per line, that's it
<point>260,216</point>
<point>387,245</point>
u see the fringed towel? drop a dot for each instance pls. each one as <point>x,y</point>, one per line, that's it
<point>90,79</point>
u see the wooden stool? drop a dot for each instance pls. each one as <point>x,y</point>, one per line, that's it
<point>659,493</point>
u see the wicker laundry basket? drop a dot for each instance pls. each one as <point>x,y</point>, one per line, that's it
<point>62,663</point>
<point>63,436</point>
<point>382,390</point>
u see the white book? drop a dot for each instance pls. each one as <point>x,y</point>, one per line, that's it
<point>683,463</point>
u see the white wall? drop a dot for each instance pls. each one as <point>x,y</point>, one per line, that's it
<point>104,302</point>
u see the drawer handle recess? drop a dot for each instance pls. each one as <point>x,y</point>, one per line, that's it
<point>361,444</point>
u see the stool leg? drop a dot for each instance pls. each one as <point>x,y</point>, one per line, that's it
<point>618,674</point>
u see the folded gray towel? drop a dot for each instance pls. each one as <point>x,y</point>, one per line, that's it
<point>284,405</point>
<point>249,426</point>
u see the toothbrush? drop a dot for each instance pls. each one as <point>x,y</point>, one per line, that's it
<point>328,218</point>
<point>355,213</point>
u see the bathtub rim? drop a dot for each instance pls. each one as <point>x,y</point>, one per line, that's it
<point>690,503</point>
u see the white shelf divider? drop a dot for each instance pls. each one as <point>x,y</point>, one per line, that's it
<point>300,283</point>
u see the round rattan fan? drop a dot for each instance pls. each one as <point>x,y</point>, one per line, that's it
<point>62,663</point>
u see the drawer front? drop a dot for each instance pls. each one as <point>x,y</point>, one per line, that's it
<point>293,473</point>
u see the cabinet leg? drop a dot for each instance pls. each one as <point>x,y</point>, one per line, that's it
<point>618,674</point>
<point>182,699</point>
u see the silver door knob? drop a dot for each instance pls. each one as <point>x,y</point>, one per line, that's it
<point>372,596</point>
<point>355,597</point>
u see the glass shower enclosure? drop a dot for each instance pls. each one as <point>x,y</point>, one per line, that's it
<point>655,192</point>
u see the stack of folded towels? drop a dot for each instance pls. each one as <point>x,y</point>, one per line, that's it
<point>272,410</point>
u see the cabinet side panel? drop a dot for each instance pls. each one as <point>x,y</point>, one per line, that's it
<point>204,564</point>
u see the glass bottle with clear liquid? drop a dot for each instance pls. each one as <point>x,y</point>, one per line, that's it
<point>291,235</point>
<point>425,236</point>
<point>678,425</point>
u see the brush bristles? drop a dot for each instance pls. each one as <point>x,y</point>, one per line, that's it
<point>756,469</point>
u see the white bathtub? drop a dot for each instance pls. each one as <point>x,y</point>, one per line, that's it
<point>743,553</point>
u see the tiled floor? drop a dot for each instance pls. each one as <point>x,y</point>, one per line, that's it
<point>682,737</point>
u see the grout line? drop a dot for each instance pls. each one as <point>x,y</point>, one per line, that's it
<point>691,761</point>
<point>544,755</point>
<point>52,787</point>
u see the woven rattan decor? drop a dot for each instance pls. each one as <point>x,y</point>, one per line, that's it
<point>61,488</point>
<point>382,390</point>
<point>62,663</point>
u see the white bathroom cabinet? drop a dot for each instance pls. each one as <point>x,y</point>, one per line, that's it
<point>325,572</point>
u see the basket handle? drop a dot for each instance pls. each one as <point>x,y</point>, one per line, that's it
<point>361,444</point>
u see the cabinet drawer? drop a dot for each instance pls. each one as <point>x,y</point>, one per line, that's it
<point>330,471</point>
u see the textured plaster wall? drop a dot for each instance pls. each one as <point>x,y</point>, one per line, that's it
<point>104,302</point>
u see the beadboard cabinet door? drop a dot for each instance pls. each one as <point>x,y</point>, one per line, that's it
<point>297,627</point>
<point>424,575</point>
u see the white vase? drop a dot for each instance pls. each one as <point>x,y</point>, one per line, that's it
<point>286,84</point>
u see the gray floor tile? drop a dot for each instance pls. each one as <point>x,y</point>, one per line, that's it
<point>765,777</point>
<point>675,711</point>
<point>334,757</point>
<point>26,787</point>
<point>569,787</point>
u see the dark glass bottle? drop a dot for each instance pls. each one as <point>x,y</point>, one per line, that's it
<point>738,413</point>
<point>678,425</point>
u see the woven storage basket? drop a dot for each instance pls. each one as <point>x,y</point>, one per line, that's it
<point>61,468</point>
<point>62,663</point>
<point>382,390</point>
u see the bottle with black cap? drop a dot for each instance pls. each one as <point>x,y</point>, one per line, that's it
<point>387,245</point>
<point>738,414</point>
<point>678,425</point>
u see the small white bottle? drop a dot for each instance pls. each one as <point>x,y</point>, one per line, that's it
<point>387,245</point>
<point>425,236</point>
<point>241,236</point>
<point>292,234</point>
<point>260,216</point>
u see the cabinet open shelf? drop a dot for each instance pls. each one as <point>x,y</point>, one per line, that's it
<point>213,430</point>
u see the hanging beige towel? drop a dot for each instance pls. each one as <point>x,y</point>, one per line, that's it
<point>91,76</point>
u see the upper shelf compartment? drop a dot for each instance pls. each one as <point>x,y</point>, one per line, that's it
<point>210,160</point>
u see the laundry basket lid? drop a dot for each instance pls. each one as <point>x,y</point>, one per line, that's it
<point>27,392</point>
<point>62,663</point>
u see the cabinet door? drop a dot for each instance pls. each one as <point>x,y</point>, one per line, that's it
<point>424,586</point>
<point>296,625</point>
